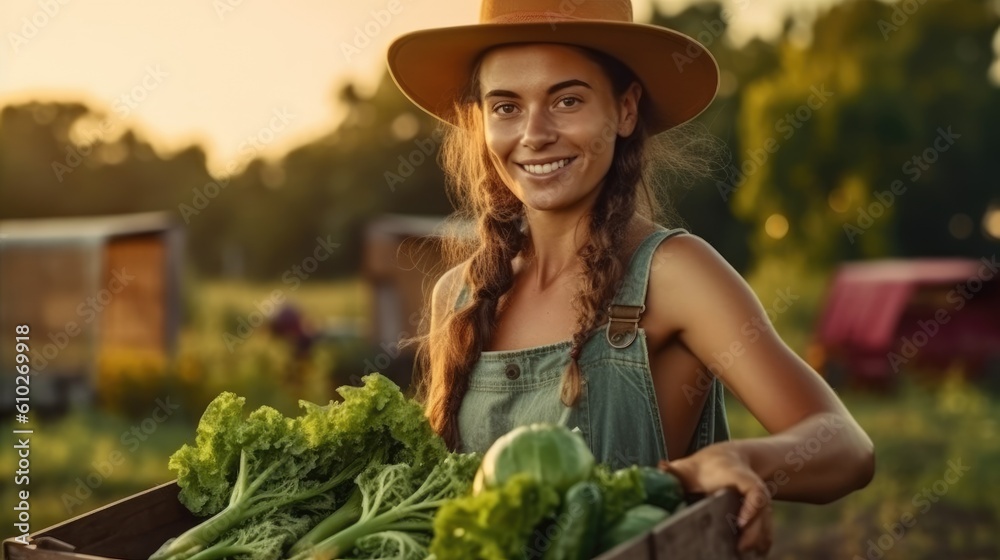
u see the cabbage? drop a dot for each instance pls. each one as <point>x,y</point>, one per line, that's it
<point>551,455</point>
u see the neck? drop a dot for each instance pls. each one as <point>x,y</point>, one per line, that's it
<point>554,242</point>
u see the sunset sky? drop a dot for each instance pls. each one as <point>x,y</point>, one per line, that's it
<point>218,71</point>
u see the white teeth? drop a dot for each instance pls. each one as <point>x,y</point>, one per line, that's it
<point>546,168</point>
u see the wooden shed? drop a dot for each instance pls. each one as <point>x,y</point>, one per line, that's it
<point>887,317</point>
<point>86,286</point>
<point>402,261</point>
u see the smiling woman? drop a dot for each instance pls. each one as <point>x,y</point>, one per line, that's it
<point>572,304</point>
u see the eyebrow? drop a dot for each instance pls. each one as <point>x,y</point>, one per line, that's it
<point>550,91</point>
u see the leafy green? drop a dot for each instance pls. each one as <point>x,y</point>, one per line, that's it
<point>261,538</point>
<point>622,490</point>
<point>240,468</point>
<point>392,545</point>
<point>494,524</point>
<point>398,497</point>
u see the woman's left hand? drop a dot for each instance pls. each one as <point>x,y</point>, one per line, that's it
<point>719,466</point>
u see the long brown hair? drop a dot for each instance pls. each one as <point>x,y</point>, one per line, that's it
<point>446,354</point>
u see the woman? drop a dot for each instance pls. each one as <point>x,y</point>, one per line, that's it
<point>572,304</point>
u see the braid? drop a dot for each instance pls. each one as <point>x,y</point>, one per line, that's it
<point>490,274</point>
<point>603,271</point>
<point>482,197</point>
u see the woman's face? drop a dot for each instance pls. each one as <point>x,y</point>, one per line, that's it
<point>551,120</point>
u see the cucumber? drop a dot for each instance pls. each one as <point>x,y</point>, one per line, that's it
<point>636,521</point>
<point>578,522</point>
<point>663,489</point>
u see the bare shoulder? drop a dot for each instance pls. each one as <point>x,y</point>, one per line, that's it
<point>685,275</point>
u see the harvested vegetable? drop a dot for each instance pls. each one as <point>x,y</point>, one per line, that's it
<point>636,521</point>
<point>240,469</point>
<point>398,498</point>
<point>551,454</point>
<point>662,488</point>
<point>495,524</point>
<point>621,490</point>
<point>579,524</point>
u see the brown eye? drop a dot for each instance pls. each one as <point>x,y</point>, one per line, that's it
<point>501,105</point>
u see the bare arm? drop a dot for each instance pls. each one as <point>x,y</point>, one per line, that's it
<point>815,441</point>
<point>816,452</point>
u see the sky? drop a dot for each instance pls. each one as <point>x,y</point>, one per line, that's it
<point>229,74</point>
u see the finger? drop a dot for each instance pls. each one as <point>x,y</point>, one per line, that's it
<point>751,536</point>
<point>757,536</point>
<point>755,499</point>
<point>683,470</point>
<point>753,516</point>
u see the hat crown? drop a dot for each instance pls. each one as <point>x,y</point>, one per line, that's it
<point>548,11</point>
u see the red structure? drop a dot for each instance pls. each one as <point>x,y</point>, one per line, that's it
<point>883,318</point>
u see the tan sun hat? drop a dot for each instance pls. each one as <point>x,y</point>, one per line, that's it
<point>679,76</point>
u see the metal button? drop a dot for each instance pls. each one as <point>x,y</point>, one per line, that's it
<point>617,337</point>
<point>513,371</point>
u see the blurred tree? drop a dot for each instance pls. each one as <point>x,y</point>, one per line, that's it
<point>706,213</point>
<point>882,80</point>
<point>878,134</point>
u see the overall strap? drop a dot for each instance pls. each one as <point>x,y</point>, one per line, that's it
<point>629,302</point>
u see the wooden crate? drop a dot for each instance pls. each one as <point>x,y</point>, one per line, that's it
<point>130,529</point>
<point>133,528</point>
<point>700,531</point>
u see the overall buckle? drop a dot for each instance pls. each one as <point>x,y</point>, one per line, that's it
<point>623,324</point>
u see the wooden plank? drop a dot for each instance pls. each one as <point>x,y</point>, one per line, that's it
<point>129,529</point>
<point>133,528</point>
<point>639,548</point>
<point>702,531</point>
<point>697,532</point>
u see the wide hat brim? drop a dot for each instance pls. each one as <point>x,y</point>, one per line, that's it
<point>680,77</point>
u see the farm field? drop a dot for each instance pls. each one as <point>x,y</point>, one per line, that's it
<point>89,458</point>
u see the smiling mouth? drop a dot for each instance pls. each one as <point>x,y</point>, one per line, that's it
<point>546,168</point>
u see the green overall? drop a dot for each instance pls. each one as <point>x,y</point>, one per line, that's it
<point>616,414</point>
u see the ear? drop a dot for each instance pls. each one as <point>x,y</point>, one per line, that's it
<point>629,109</point>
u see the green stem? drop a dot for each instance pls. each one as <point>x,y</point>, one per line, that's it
<point>203,534</point>
<point>220,550</point>
<point>345,540</point>
<point>345,516</point>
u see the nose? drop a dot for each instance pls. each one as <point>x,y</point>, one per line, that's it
<point>539,130</point>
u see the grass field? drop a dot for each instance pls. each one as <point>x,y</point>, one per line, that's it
<point>90,458</point>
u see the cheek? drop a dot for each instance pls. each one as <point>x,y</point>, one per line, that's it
<point>599,144</point>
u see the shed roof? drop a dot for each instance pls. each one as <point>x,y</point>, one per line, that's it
<point>866,298</point>
<point>85,228</point>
